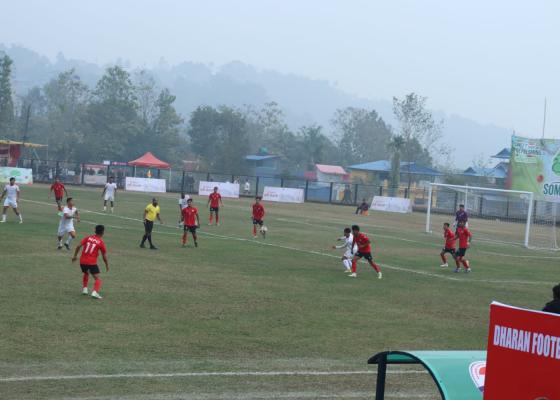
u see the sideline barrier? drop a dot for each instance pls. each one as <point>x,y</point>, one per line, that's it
<point>459,375</point>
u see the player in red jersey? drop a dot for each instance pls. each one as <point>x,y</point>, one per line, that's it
<point>258,216</point>
<point>215,201</point>
<point>59,190</point>
<point>465,237</point>
<point>190,222</point>
<point>88,260</point>
<point>449,247</point>
<point>364,250</point>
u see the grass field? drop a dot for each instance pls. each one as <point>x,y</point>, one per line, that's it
<point>238,318</point>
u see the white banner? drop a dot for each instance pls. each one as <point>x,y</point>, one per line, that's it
<point>283,195</point>
<point>391,204</point>
<point>95,179</point>
<point>24,176</point>
<point>145,185</point>
<point>226,189</point>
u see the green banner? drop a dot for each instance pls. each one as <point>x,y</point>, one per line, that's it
<point>23,176</point>
<point>535,167</point>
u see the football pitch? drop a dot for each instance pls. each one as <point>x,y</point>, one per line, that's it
<point>238,318</point>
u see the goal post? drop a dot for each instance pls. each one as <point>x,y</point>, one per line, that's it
<point>495,215</point>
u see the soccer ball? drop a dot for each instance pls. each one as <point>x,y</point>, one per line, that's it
<point>264,229</point>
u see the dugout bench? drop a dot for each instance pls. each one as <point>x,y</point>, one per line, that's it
<point>459,375</point>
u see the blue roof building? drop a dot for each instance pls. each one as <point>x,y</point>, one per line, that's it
<point>381,170</point>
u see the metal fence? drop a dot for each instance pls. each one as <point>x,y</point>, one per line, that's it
<point>94,174</point>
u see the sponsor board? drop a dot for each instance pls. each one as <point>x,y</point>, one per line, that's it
<point>391,204</point>
<point>145,185</point>
<point>226,189</point>
<point>523,357</point>
<point>95,179</point>
<point>24,176</point>
<point>283,195</point>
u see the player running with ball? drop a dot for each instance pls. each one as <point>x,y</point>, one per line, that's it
<point>465,237</point>
<point>364,251</point>
<point>348,247</point>
<point>88,260</point>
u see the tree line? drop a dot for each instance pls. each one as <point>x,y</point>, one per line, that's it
<point>126,114</point>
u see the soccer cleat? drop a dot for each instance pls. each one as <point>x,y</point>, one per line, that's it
<point>456,270</point>
<point>379,275</point>
<point>353,275</point>
<point>85,291</point>
<point>96,295</point>
<point>112,210</point>
<point>21,221</point>
<point>195,244</point>
<point>67,246</point>
<point>444,265</point>
<point>59,247</point>
<point>468,270</point>
<point>210,224</point>
<point>60,214</point>
<point>142,246</point>
<point>217,224</point>
<point>153,248</point>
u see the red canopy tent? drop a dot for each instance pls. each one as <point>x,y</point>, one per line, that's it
<point>150,161</point>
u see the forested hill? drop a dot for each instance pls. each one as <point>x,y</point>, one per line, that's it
<point>305,101</point>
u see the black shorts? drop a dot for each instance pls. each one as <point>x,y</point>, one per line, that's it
<point>461,252</point>
<point>448,250</point>
<point>191,229</point>
<point>92,269</point>
<point>148,226</point>
<point>367,256</point>
<point>258,222</point>
<point>215,209</point>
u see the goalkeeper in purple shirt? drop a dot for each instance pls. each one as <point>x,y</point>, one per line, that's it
<point>461,216</point>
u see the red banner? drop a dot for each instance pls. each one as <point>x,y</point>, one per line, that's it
<point>523,358</point>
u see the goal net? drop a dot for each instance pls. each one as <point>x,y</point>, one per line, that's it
<point>496,215</point>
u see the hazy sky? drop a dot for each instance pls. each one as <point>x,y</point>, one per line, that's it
<point>492,60</point>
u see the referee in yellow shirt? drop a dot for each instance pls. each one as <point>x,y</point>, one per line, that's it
<point>151,212</point>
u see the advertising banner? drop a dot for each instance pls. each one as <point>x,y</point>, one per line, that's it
<point>95,179</point>
<point>24,176</point>
<point>535,167</point>
<point>145,185</point>
<point>283,195</point>
<point>226,189</point>
<point>391,204</point>
<point>523,357</point>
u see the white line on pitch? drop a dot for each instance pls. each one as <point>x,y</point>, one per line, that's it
<point>198,375</point>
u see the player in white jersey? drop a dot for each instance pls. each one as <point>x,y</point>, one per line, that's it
<point>182,204</point>
<point>66,225</point>
<point>348,249</point>
<point>109,193</point>
<point>11,191</point>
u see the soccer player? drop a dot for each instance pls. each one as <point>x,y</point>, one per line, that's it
<point>190,221</point>
<point>66,224</point>
<point>364,250</point>
<point>88,260</point>
<point>151,212</point>
<point>363,208</point>
<point>465,237</point>
<point>258,216</point>
<point>182,204</point>
<point>215,201</point>
<point>59,191</point>
<point>11,191</point>
<point>449,246</point>
<point>461,216</point>
<point>348,245</point>
<point>109,194</point>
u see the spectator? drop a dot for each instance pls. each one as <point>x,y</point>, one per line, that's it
<point>246,187</point>
<point>554,305</point>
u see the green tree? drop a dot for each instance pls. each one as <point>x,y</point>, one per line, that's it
<point>362,135</point>
<point>6,100</point>
<point>417,127</point>
<point>166,128</point>
<point>395,146</point>
<point>112,115</point>
<point>315,146</point>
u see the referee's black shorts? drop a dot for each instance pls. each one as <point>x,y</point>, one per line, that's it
<point>148,226</point>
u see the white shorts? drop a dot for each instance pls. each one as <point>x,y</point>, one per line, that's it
<point>348,255</point>
<point>109,198</point>
<point>10,203</point>
<point>65,228</point>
